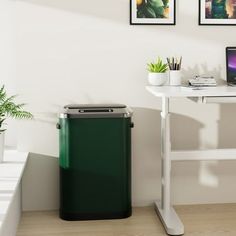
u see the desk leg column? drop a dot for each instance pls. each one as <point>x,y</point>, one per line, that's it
<point>167,214</point>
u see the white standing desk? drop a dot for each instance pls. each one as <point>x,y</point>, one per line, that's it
<point>219,94</point>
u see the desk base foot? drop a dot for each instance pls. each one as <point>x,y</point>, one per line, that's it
<point>170,220</point>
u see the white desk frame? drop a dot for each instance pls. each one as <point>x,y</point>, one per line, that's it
<point>221,94</point>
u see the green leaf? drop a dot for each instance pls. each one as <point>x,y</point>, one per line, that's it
<point>158,67</point>
<point>140,14</point>
<point>149,12</point>
<point>8,108</point>
<point>1,121</point>
<point>2,94</point>
<point>159,62</point>
<point>159,12</point>
<point>165,2</point>
<point>156,3</point>
<point>163,67</point>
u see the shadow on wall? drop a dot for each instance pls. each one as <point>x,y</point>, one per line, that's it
<point>184,132</point>
<point>40,181</point>
<point>107,9</point>
<point>40,187</point>
<point>227,126</point>
<point>146,158</point>
<point>209,177</point>
<point>118,11</point>
<point>41,177</point>
<point>227,135</point>
<point>203,69</point>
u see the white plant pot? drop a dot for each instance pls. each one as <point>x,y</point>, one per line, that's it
<point>157,79</point>
<point>2,135</point>
<point>175,78</point>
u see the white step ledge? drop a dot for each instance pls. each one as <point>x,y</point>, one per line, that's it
<point>11,171</point>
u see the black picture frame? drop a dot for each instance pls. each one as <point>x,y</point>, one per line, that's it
<point>147,21</point>
<point>212,22</point>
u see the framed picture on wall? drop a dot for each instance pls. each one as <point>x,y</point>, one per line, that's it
<point>152,12</point>
<point>217,12</point>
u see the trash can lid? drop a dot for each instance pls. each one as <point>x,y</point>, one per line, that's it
<point>82,106</point>
<point>96,111</point>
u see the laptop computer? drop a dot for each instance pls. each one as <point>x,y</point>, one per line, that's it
<point>231,65</point>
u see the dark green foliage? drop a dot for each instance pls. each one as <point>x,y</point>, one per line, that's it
<point>8,108</point>
<point>149,12</point>
<point>152,9</point>
<point>219,9</point>
<point>165,2</point>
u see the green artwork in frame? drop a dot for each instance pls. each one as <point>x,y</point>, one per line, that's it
<point>217,12</point>
<point>152,12</point>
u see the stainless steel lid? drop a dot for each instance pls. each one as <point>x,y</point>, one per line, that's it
<point>96,111</point>
<point>88,106</point>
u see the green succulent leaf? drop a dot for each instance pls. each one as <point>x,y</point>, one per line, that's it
<point>158,67</point>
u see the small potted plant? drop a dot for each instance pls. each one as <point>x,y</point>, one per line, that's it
<point>8,108</point>
<point>157,72</point>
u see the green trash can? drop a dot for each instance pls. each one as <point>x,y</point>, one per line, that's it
<point>95,162</point>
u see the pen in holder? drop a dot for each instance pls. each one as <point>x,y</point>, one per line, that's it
<point>175,71</point>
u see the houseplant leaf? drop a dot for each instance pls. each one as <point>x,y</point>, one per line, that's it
<point>156,3</point>
<point>8,108</point>
<point>149,12</point>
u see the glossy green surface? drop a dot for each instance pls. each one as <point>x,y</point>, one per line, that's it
<point>95,163</point>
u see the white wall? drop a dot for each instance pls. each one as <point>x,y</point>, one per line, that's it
<point>80,51</point>
<point>8,60</point>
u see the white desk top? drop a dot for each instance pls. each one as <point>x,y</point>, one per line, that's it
<point>178,91</point>
<point>11,171</point>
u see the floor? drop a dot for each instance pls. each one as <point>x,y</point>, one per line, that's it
<point>200,220</point>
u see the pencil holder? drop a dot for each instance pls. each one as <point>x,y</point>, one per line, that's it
<point>175,78</point>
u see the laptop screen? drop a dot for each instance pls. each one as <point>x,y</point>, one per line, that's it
<point>231,64</point>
